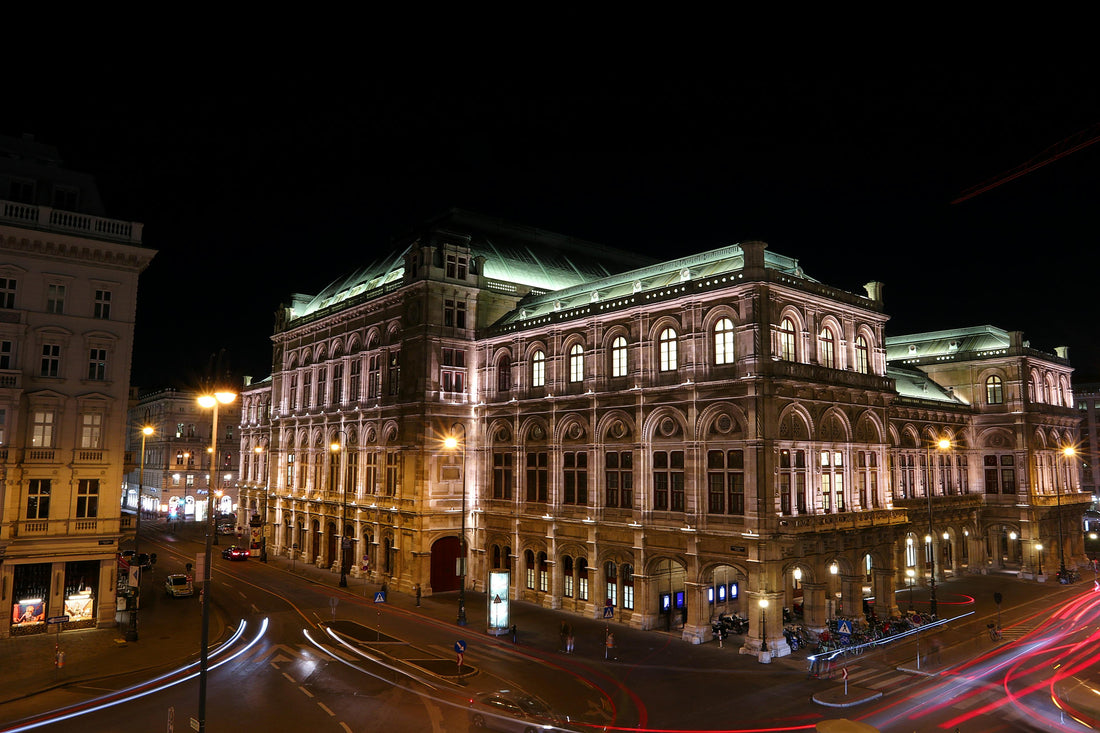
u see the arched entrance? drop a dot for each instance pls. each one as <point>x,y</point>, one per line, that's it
<point>669,589</point>
<point>444,572</point>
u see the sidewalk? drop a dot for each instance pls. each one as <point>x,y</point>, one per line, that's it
<point>88,653</point>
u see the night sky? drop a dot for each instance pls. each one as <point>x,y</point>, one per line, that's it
<point>257,182</point>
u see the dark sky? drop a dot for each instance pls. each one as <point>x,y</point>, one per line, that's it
<point>279,177</point>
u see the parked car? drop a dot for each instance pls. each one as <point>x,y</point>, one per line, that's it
<point>179,585</point>
<point>513,711</point>
<point>235,552</point>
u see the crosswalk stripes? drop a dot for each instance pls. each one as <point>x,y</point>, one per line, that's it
<point>878,678</point>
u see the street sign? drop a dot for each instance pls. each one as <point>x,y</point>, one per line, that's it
<point>609,612</point>
<point>844,626</point>
<point>460,646</point>
<point>57,620</point>
<point>380,597</point>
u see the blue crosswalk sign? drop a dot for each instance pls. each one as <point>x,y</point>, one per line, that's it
<point>844,626</point>
<point>380,597</point>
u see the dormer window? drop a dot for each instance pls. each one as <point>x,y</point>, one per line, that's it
<point>912,349</point>
<point>456,266</point>
<point>953,346</point>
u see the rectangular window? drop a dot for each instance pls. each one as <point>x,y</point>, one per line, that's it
<point>38,498</point>
<point>91,430</point>
<point>51,360</point>
<point>322,386</point>
<point>353,381</point>
<point>351,470</point>
<point>337,383</point>
<point>502,474</point>
<point>374,376</point>
<point>668,480</point>
<point>370,473</point>
<point>293,390</point>
<point>290,470</point>
<point>393,379</point>
<point>42,429</point>
<point>575,484</point>
<point>393,465</point>
<point>537,477</point>
<point>7,292</point>
<point>55,298</point>
<point>97,364</point>
<point>5,355</point>
<point>456,267</point>
<point>307,389</point>
<point>102,306</point>
<point>619,479</point>
<point>87,498</point>
<point>453,371</point>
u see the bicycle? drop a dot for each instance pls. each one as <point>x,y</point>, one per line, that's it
<point>994,632</point>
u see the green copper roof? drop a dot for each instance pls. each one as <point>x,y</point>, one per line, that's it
<point>943,343</point>
<point>916,384</point>
<point>669,273</point>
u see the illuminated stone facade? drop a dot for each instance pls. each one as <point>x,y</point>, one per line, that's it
<point>665,439</point>
<point>68,294</point>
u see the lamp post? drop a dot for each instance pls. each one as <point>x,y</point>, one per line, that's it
<point>911,573</point>
<point>765,656</point>
<point>941,444</point>
<point>1067,452</point>
<point>1039,548</point>
<point>132,631</point>
<point>263,527</point>
<point>345,543</point>
<point>451,443</point>
<point>207,402</point>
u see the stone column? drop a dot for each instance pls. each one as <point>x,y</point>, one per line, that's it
<point>883,585</point>
<point>697,629</point>
<point>765,638</point>
<point>814,614</point>
<point>851,596</point>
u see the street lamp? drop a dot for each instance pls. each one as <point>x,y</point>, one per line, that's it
<point>912,574</point>
<point>345,543</point>
<point>941,444</point>
<point>1067,452</point>
<point>764,655</point>
<point>1039,547</point>
<point>451,443</point>
<point>132,631</point>
<point>207,402</point>
<point>263,527</point>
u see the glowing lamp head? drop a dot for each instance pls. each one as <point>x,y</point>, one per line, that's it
<point>147,430</point>
<point>943,443</point>
<point>763,602</point>
<point>450,442</point>
<point>334,447</point>
<point>1039,546</point>
<point>1069,451</point>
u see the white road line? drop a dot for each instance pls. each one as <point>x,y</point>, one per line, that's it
<point>345,726</point>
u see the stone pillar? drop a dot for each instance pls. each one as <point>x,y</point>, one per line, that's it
<point>851,596</point>
<point>884,588</point>
<point>814,614</point>
<point>765,637</point>
<point>993,537</point>
<point>697,629</point>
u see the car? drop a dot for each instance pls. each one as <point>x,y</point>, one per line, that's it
<point>179,585</point>
<point>513,711</point>
<point>235,552</point>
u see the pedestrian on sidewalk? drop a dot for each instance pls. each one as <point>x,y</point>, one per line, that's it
<point>569,643</point>
<point>418,595</point>
<point>564,631</point>
<point>515,634</point>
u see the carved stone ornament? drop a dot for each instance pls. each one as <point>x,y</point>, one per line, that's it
<point>667,427</point>
<point>723,425</point>
<point>575,431</point>
<point>537,433</point>
<point>618,430</point>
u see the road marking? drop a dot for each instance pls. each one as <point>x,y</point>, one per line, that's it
<point>345,726</point>
<point>308,693</point>
<point>292,680</point>
<point>325,708</point>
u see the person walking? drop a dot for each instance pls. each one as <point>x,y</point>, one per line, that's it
<point>564,632</point>
<point>515,634</point>
<point>569,642</point>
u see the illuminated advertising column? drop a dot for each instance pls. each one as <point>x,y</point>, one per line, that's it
<point>497,598</point>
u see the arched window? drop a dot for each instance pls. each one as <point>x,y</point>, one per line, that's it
<point>994,391</point>
<point>628,587</point>
<point>576,363</point>
<point>504,374</point>
<point>668,355</point>
<point>618,357</point>
<point>826,349</point>
<point>786,340</point>
<point>538,369</point>
<point>529,568</point>
<point>862,356</point>
<point>723,341</point>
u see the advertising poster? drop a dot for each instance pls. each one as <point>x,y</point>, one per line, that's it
<point>30,611</point>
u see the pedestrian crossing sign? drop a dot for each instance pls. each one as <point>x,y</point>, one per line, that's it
<point>380,597</point>
<point>844,626</point>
